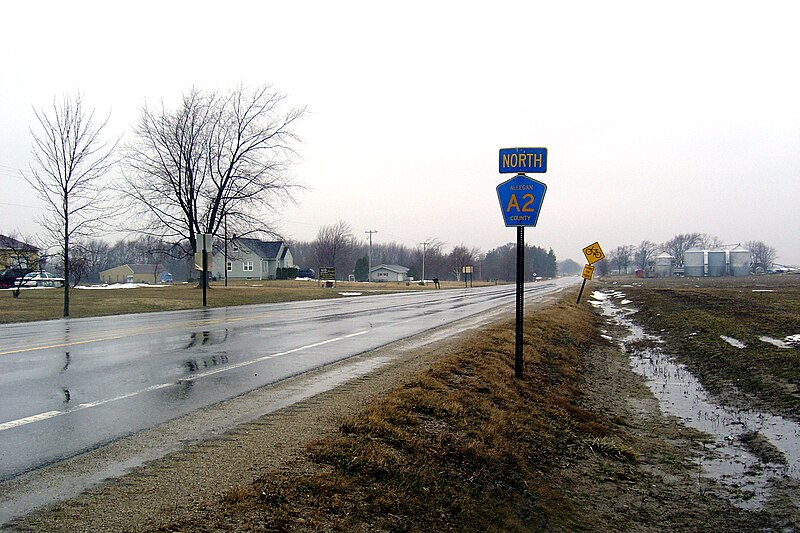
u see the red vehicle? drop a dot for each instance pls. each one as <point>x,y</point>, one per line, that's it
<point>9,276</point>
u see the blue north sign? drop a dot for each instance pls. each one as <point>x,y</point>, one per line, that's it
<point>516,160</point>
<point>521,200</point>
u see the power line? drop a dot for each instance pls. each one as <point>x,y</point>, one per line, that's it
<point>14,172</point>
<point>21,205</point>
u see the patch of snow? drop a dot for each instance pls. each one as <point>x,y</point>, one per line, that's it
<point>775,342</point>
<point>116,286</point>
<point>625,302</point>
<point>792,339</point>
<point>763,290</point>
<point>733,342</point>
<point>28,288</point>
<point>607,337</point>
<point>351,293</point>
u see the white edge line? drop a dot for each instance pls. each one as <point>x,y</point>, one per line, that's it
<point>80,407</point>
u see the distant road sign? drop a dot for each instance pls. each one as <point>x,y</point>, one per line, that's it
<point>327,273</point>
<point>593,253</point>
<point>522,160</point>
<point>521,200</point>
<point>588,270</point>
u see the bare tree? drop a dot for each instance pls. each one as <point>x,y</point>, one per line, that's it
<point>96,253</point>
<point>709,242</point>
<point>460,257</point>
<point>644,254</point>
<point>678,245</point>
<point>334,245</point>
<point>71,160</point>
<point>620,258</point>
<point>216,156</point>
<point>429,259</point>
<point>761,254</point>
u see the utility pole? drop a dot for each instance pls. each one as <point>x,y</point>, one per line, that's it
<point>424,246</point>
<point>369,260</point>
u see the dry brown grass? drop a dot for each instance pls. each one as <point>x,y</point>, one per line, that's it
<point>464,446</point>
<point>48,304</point>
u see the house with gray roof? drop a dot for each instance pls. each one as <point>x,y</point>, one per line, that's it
<point>251,259</point>
<point>389,273</point>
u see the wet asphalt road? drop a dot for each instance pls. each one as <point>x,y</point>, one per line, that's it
<point>71,385</point>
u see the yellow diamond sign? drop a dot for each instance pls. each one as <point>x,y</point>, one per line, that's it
<point>593,254</point>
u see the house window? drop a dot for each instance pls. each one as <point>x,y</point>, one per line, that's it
<point>247,266</point>
<point>236,248</point>
<point>229,266</point>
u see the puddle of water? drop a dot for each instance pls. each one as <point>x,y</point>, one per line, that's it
<point>736,343</point>
<point>680,394</point>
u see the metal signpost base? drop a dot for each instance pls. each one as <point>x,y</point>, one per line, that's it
<point>520,297</point>
<point>581,291</point>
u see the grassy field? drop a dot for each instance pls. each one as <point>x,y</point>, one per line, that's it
<point>48,304</point>
<point>693,314</point>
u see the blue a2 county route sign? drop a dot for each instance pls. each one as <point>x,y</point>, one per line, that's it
<point>523,160</point>
<point>521,200</point>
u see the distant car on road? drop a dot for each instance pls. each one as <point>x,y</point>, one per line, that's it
<point>41,279</point>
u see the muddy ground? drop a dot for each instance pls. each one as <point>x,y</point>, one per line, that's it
<point>446,439</point>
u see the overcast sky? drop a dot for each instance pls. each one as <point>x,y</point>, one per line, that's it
<point>659,117</point>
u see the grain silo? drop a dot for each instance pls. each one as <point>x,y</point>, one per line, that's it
<point>664,264</point>
<point>716,262</point>
<point>739,261</point>
<point>694,262</point>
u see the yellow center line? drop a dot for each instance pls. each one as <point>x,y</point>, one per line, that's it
<point>140,331</point>
<point>62,345</point>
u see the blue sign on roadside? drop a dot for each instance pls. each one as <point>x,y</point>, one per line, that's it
<point>516,160</point>
<point>521,200</point>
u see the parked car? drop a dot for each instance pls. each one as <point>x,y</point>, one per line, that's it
<point>306,273</point>
<point>41,279</point>
<point>9,276</point>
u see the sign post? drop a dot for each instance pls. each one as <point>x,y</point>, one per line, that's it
<point>201,259</point>
<point>593,254</point>
<point>521,200</point>
<point>328,275</point>
<point>467,271</point>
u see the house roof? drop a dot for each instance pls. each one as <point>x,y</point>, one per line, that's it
<point>138,268</point>
<point>264,249</point>
<point>145,269</point>
<point>393,268</point>
<point>10,243</point>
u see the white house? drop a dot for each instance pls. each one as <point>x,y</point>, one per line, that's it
<point>251,259</point>
<point>389,273</point>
